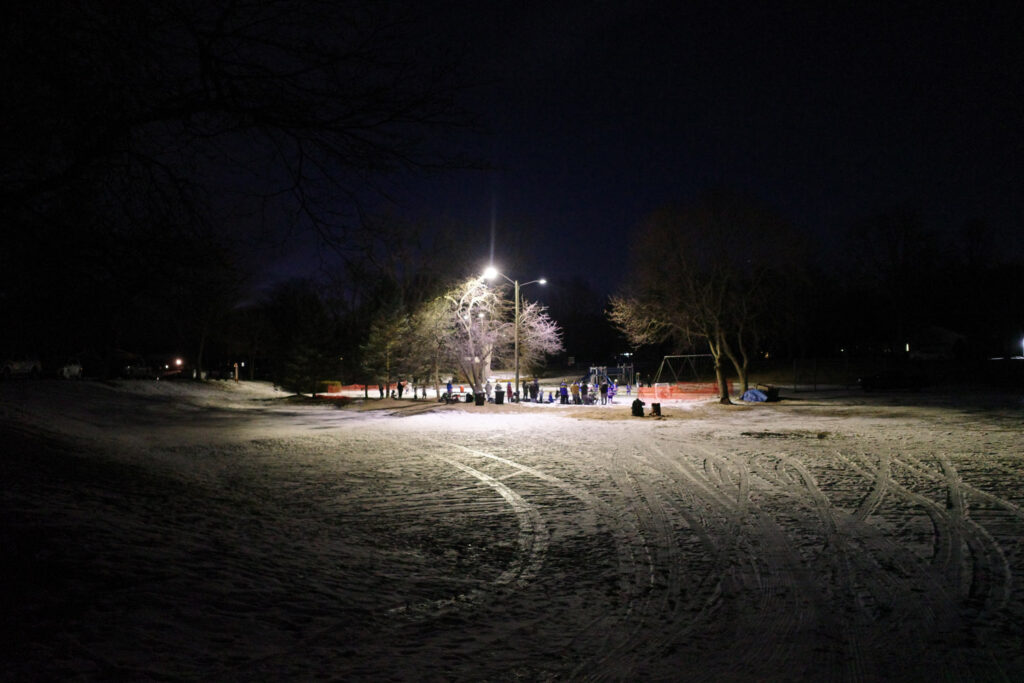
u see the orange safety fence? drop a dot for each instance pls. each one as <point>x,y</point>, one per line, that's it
<point>681,391</point>
<point>337,387</point>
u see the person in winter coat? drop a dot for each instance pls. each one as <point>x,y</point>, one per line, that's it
<point>487,390</point>
<point>575,393</point>
<point>612,390</point>
<point>583,392</point>
<point>638,408</point>
<point>604,392</point>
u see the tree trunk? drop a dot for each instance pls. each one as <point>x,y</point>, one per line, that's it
<point>723,386</point>
<point>740,363</point>
<point>437,376</point>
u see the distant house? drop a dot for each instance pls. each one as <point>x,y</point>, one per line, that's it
<point>937,343</point>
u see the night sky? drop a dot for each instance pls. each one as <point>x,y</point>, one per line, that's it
<point>594,114</point>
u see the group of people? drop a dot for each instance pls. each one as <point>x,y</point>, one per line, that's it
<point>581,392</point>
<point>585,393</point>
<point>567,393</point>
<point>403,386</point>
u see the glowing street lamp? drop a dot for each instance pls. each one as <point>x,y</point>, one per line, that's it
<point>489,274</point>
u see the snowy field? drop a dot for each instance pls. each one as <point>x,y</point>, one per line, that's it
<point>169,531</point>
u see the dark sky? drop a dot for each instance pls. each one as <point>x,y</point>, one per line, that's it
<point>599,112</point>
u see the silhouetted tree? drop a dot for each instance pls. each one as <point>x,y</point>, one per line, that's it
<point>714,272</point>
<point>896,263</point>
<point>304,346</point>
<point>384,353</point>
<point>229,118</point>
<point>580,311</point>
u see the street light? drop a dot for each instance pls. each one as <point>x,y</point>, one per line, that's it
<point>489,274</point>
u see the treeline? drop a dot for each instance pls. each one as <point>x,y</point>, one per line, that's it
<point>299,335</point>
<point>726,274</point>
<point>156,155</point>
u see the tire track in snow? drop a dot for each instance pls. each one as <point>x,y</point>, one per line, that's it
<point>991,576</point>
<point>902,576</point>
<point>878,491</point>
<point>759,562</point>
<point>532,544</point>
<point>533,535</point>
<point>788,601</point>
<point>634,554</point>
<point>634,551</point>
<point>857,579</point>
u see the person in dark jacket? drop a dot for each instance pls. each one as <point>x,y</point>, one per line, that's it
<point>638,408</point>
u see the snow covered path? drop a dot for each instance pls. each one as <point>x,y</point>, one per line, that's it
<point>203,533</point>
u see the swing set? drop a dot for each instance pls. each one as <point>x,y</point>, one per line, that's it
<point>682,378</point>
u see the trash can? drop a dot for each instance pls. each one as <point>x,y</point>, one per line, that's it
<point>499,397</point>
<point>479,398</point>
<point>469,398</point>
<point>656,409</point>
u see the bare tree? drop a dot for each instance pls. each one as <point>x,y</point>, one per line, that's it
<point>478,330</point>
<point>540,336</point>
<point>709,273</point>
<point>232,120</point>
<point>306,100</point>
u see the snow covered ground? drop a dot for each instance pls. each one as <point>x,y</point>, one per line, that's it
<point>174,531</point>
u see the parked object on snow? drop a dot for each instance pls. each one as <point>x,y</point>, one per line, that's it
<point>72,369</point>
<point>20,366</point>
<point>638,408</point>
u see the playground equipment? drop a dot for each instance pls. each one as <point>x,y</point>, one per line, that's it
<point>685,377</point>
<point>620,374</point>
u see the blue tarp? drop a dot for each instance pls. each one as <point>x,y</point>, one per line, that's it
<point>755,396</point>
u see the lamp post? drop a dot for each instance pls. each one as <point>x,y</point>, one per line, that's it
<point>489,274</point>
